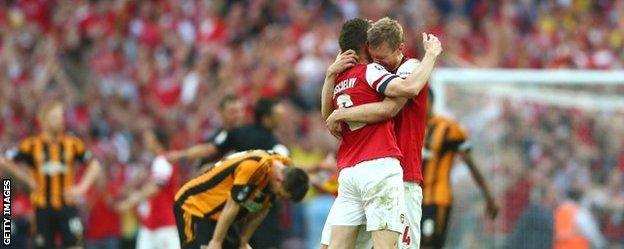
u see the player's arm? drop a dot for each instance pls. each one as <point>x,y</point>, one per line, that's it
<point>91,175</point>
<point>492,207</point>
<point>161,172</point>
<point>225,144</point>
<point>193,153</point>
<point>93,170</point>
<point>369,113</point>
<point>241,191</point>
<point>148,190</point>
<point>395,86</point>
<point>251,225</point>
<point>20,175</point>
<point>228,214</point>
<point>343,61</point>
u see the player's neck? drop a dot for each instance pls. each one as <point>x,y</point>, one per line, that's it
<point>399,62</point>
<point>51,135</point>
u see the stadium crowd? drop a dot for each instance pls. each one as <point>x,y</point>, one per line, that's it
<point>121,66</point>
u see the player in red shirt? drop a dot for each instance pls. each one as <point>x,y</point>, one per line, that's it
<point>155,199</point>
<point>385,44</point>
<point>371,178</point>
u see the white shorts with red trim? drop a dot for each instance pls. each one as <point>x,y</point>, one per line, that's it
<point>370,193</point>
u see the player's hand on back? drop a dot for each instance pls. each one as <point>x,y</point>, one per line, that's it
<point>333,125</point>
<point>432,44</point>
<point>343,62</point>
<point>245,246</point>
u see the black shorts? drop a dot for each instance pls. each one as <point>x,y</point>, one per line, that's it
<point>49,221</point>
<point>433,225</point>
<point>195,232</point>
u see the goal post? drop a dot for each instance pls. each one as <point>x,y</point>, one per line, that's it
<point>498,81</point>
<point>529,107</point>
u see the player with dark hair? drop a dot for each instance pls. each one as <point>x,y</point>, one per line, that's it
<point>267,116</point>
<point>223,207</point>
<point>232,113</point>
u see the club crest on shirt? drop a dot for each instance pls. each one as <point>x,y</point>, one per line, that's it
<point>53,168</point>
<point>243,193</point>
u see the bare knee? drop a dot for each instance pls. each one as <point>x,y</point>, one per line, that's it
<point>385,239</point>
<point>323,246</point>
<point>343,237</point>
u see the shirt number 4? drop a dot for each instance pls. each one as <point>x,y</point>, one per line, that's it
<point>407,240</point>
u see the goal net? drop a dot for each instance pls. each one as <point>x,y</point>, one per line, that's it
<point>537,136</point>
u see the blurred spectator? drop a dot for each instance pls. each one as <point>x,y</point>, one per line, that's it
<point>535,227</point>
<point>574,225</point>
<point>103,231</point>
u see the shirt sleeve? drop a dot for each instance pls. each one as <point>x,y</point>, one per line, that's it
<point>82,154</point>
<point>378,77</point>
<point>407,68</point>
<point>281,149</point>
<point>458,138</point>
<point>161,171</point>
<point>225,140</point>
<point>22,153</point>
<point>218,137</point>
<point>246,178</point>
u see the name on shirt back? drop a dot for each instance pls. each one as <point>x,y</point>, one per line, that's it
<point>344,85</point>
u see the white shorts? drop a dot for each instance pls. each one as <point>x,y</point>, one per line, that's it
<point>413,213</point>
<point>160,238</point>
<point>370,193</point>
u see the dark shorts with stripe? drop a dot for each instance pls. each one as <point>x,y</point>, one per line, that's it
<point>49,221</point>
<point>195,232</point>
<point>434,224</point>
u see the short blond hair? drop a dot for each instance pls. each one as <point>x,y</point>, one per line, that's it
<point>385,30</point>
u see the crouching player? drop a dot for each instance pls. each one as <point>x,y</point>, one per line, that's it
<point>223,207</point>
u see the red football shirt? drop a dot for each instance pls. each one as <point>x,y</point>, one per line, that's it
<point>360,142</point>
<point>157,211</point>
<point>103,220</point>
<point>410,125</point>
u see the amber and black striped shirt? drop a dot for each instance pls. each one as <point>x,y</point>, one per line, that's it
<point>443,140</point>
<point>245,176</point>
<point>52,164</point>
